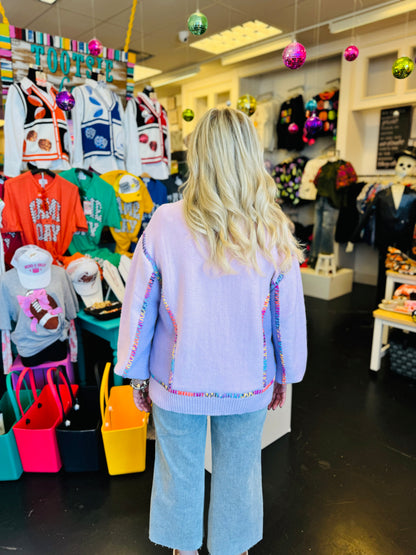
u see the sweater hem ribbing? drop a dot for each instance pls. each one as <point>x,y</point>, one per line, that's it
<point>212,406</point>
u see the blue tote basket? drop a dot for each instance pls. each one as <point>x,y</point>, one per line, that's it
<point>10,464</point>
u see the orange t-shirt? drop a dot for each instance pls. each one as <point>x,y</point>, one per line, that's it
<point>46,210</point>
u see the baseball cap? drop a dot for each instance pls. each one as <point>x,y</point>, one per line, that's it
<point>86,279</point>
<point>33,266</point>
<point>129,188</point>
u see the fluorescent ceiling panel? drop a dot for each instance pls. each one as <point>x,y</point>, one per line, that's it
<point>364,17</point>
<point>143,72</point>
<point>236,37</point>
<point>255,51</point>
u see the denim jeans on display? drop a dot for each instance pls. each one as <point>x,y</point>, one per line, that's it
<point>325,221</point>
<point>235,517</point>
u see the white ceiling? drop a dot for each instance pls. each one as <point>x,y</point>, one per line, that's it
<point>157,22</point>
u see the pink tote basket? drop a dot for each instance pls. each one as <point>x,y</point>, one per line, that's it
<point>35,432</point>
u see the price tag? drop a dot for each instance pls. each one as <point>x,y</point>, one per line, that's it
<point>87,205</point>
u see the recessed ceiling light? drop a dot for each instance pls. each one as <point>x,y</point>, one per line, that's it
<point>237,37</point>
<point>48,1</point>
<point>143,72</point>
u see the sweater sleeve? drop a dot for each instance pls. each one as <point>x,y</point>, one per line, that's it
<point>139,313</point>
<point>289,325</point>
<point>14,120</point>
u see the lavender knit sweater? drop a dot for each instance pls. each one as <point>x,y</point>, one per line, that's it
<point>211,343</point>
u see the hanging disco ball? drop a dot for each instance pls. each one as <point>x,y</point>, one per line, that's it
<point>351,53</point>
<point>65,101</point>
<point>95,47</point>
<point>247,104</point>
<point>293,128</point>
<point>197,23</point>
<point>402,67</point>
<point>311,105</point>
<point>188,114</point>
<point>313,125</point>
<point>294,55</point>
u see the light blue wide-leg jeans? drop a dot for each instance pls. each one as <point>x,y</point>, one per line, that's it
<point>235,518</point>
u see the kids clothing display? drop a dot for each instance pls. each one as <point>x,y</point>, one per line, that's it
<point>98,127</point>
<point>291,111</point>
<point>264,120</point>
<point>244,346</point>
<point>133,200</point>
<point>159,195</point>
<point>100,209</point>
<point>288,177</point>
<point>147,137</point>
<point>332,182</point>
<point>37,317</point>
<point>327,112</point>
<point>173,184</point>
<point>45,209</point>
<point>35,129</point>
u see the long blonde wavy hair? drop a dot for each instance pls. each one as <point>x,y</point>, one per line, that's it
<point>230,199</point>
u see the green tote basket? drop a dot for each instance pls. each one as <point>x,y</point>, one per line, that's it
<point>10,464</point>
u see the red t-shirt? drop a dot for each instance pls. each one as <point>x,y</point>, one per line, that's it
<point>46,214</point>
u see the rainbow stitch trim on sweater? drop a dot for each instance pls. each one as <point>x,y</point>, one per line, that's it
<point>217,395</point>
<point>150,259</point>
<point>175,327</point>
<point>263,312</point>
<point>155,274</point>
<point>277,323</point>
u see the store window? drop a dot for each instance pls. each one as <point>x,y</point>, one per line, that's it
<point>379,73</point>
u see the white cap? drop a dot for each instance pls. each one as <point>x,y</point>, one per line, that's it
<point>86,279</point>
<point>33,266</point>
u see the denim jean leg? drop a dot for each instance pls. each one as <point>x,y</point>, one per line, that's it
<point>235,519</point>
<point>177,502</point>
<point>317,230</point>
<point>329,222</point>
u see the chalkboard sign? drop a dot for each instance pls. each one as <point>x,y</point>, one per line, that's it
<point>393,135</point>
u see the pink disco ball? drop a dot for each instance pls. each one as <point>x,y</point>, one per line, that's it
<point>95,47</point>
<point>313,125</point>
<point>294,55</point>
<point>351,53</point>
<point>65,101</point>
<point>293,128</point>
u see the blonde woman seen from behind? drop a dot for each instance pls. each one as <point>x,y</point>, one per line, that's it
<point>213,324</point>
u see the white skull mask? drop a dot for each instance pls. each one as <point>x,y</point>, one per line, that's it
<point>405,166</point>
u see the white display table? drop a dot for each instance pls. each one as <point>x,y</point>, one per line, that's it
<point>277,424</point>
<point>326,287</point>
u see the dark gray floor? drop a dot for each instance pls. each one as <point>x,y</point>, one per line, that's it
<point>341,483</point>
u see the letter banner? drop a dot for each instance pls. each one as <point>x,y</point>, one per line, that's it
<point>60,57</point>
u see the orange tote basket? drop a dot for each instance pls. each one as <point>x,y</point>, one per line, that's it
<point>123,428</point>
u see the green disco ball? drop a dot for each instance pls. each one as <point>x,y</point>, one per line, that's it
<point>402,67</point>
<point>197,23</point>
<point>188,114</point>
<point>247,104</point>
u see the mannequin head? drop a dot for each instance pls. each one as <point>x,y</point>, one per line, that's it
<point>405,166</point>
<point>405,163</point>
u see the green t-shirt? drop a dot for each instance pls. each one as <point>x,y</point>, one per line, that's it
<point>100,208</point>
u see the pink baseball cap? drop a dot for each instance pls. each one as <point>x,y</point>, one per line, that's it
<point>33,266</point>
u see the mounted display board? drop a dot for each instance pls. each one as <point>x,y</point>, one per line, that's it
<point>59,58</point>
<point>393,135</point>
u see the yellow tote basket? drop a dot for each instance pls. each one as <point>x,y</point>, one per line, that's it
<point>123,428</point>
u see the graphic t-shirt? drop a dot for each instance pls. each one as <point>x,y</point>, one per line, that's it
<point>133,200</point>
<point>100,208</point>
<point>38,317</point>
<point>45,209</point>
<point>158,192</point>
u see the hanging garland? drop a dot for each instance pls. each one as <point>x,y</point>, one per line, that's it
<point>3,13</point>
<point>130,27</point>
